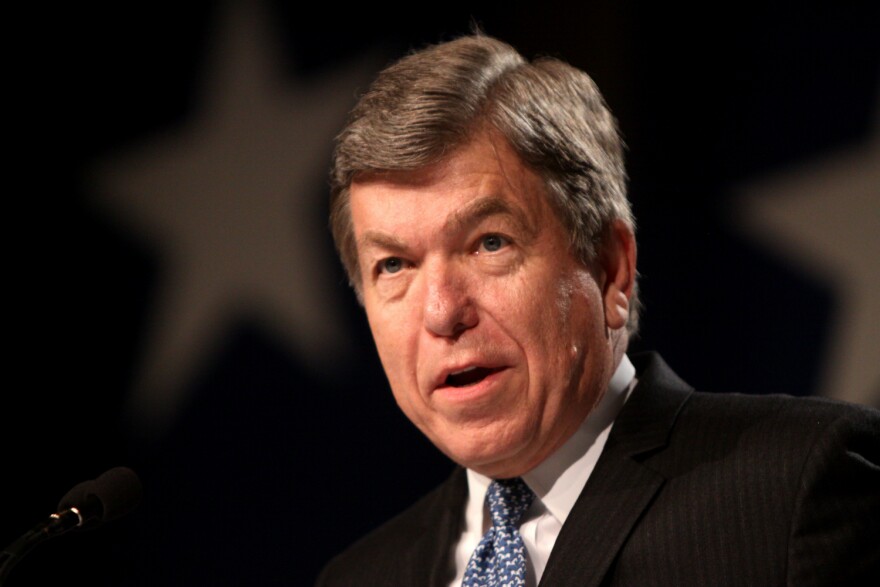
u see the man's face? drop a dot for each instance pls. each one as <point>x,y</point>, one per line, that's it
<point>492,334</point>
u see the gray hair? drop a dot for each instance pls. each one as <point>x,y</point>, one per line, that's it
<point>421,108</point>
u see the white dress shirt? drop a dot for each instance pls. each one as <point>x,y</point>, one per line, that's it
<point>557,483</point>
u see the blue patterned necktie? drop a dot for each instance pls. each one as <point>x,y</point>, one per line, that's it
<point>500,558</point>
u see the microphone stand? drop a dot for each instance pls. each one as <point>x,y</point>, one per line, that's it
<point>113,494</point>
<point>56,524</point>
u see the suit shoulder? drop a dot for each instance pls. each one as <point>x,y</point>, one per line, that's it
<point>379,557</point>
<point>773,435</point>
<point>784,414</point>
<point>808,470</point>
<point>752,490</point>
<point>666,392</point>
<point>777,443</point>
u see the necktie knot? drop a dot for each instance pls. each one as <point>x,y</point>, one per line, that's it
<point>508,500</point>
<point>500,558</point>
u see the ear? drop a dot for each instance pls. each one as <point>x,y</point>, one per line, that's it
<point>618,261</point>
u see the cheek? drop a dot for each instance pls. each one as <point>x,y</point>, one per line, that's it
<point>552,302</point>
<point>534,314</point>
<point>569,322</point>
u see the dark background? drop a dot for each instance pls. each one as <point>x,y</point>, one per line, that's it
<point>272,464</point>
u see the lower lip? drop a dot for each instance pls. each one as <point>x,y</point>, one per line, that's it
<point>470,393</point>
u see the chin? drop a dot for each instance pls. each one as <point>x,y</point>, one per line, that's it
<point>502,469</point>
<point>494,459</point>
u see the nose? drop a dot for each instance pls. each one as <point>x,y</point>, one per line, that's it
<point>449,306</point>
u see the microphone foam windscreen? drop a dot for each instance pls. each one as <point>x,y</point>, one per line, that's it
<point>113,494</point>
<point>119,490</point>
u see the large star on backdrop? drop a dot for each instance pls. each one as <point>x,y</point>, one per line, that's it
<point>825,216</point>
<point>232,204</point>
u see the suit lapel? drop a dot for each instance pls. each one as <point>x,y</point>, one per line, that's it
<point>427,562</point>
<point>620,487</point>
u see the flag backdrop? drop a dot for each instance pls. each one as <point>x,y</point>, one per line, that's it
<point>177,306</point>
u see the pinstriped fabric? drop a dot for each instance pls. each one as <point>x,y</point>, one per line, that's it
<point>500,558</point>
<point>778,494</point>
<point>692,489</point>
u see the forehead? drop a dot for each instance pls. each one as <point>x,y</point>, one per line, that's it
<point>485,174</point>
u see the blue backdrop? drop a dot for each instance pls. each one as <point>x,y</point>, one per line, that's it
<point>177,306</point>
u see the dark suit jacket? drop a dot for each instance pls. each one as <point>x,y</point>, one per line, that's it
<point>691,489</point>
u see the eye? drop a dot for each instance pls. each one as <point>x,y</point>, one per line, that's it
<point>390,265</point>
<point>493,242</point>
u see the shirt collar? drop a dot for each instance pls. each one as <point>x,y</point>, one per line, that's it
<point>559,480</point>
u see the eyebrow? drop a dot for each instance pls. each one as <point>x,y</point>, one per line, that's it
<point>473,213</point>
<point>375,238</point>
<point>482,208</point>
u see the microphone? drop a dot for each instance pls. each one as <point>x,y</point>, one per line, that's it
<point>113,494</point>
<point>87,505</point>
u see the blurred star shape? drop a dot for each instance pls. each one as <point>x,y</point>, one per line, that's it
<point>232,203</point>
<point>825,217</point>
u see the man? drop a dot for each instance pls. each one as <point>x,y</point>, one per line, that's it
<point>479,207</point>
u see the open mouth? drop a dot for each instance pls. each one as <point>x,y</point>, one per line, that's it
<point>470,376</point>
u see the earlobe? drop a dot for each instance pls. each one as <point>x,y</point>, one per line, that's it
<point>616,309</point>
<point>619,265</point>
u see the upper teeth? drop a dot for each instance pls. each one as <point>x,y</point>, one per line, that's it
<point>464,370</point>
